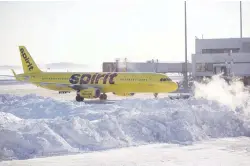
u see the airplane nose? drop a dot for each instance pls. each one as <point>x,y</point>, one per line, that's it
<point>173,86</point>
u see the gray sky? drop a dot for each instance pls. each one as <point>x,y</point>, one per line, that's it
<point>90,32</point>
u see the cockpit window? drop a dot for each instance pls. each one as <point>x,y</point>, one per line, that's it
<point>165,79</point>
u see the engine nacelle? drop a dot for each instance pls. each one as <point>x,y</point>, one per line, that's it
<point>90,93</point>
<point>124,94</point>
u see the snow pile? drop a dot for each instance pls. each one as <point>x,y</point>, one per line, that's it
<point>234,95</point>
<point>219,152</point>
<point>23,139</point>
<point>36,126</point>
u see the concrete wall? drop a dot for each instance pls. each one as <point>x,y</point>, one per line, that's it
<point>219,58</point>
<point>237,70</point>
<point>207,55</point>
<point>239,67</point>
<point>243,44</point>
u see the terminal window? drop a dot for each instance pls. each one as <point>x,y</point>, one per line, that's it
<point>220,50</point>
<point>204,67</point>
<point>200,67</point>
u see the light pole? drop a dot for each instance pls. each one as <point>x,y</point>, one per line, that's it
<point>240,20</point>
<point>186,65</point>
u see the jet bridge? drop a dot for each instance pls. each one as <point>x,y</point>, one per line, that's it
<point>145,67</point>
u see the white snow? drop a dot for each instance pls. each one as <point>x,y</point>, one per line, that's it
<point>33,125</point>
<point>220,152</point>
<point>233,95</point>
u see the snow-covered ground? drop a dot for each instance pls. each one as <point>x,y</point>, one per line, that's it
<point>219,152</point>
<point>210,128</point>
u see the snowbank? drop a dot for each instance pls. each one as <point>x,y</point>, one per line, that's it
<point>219,152</point>
<point>37,126</point>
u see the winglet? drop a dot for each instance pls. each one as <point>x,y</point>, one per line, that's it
<point>14,73</point>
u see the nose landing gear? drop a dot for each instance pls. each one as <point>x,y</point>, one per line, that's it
<point>156,95</point>
<point>103,96</point>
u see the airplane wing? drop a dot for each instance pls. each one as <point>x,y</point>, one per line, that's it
<point>73,86</point>
<point>6,76</point>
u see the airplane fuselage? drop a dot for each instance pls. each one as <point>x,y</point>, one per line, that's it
<point>118,82</point>
<point>93,84</point>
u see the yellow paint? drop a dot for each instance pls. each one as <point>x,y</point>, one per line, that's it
<point>124,82</point>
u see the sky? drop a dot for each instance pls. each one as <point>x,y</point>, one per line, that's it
<point>90,32</point>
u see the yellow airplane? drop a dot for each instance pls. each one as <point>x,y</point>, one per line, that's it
<point>94,84</point>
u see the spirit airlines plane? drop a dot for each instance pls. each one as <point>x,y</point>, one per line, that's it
<point>94,84</point>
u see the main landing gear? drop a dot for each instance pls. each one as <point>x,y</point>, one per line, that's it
<point>79,98</point>
<point>103,96</point>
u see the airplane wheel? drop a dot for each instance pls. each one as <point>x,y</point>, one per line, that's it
<point>155,95</point>
<point>103,97</point>
<point>79,98</point>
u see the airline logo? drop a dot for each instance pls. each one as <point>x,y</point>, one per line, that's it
<point>27,61</point>
<point>92,79</point>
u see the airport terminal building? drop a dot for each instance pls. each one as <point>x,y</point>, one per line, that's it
<point>229,55</point>
<point>212,56</point>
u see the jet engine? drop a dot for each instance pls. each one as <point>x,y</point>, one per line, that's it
<point>90,93</point>
<point>124,94</point>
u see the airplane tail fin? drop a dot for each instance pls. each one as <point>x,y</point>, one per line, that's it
<point>29,65</point>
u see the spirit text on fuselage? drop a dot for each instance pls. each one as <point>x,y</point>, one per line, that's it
<point>87,78</point>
